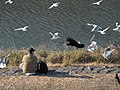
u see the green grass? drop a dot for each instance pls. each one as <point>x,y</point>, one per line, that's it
<point>65,58</point>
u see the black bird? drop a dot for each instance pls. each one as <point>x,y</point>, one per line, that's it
<point>117,78</point>
<point>72,42</point>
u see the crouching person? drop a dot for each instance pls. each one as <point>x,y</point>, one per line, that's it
<point>29,63</point>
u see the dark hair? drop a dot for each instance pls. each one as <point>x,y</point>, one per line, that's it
<point>31,50</point>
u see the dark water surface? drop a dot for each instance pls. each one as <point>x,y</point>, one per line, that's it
<point>69,19</point>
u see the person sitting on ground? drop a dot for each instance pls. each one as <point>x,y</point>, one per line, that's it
<point>29,63</point>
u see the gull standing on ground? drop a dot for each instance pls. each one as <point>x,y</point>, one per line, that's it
<point>103,31</point>
<point>54,36</point>
<point>107,52</point>
<point>95,27</point>
<point>54,5</point>
<point>9,1</point>
<point>97,3</point>
<point>23,29</point>
<point>117,27</point>
<point>4,61</point>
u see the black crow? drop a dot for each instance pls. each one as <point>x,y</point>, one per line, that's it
<point>72,42</point>
<point>117,78</point>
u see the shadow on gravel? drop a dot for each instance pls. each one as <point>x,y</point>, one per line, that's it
<point>53,73</point>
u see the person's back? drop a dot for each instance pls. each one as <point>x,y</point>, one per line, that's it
<point>29,62</point>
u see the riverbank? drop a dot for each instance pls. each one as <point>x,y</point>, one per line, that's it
<point>78,82</point>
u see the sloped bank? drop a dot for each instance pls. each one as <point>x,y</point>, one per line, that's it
<point>64,71</point>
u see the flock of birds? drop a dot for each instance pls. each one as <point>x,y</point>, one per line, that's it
<point>71,42</point>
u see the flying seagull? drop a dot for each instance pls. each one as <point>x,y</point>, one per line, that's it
<point>54,5</point>
<point>117,27</point>
<point>107,52</point>
<point>93,46</point>
<point>9,1</point>
<point>95,27</point>
<point>72,42</point>
<point>54,36</point>
<point>4,61</point>
<point>92,38</point>
<point>117,78</point>
<point>103,31</point>
<point>23,29</point>
<point>97,3</point>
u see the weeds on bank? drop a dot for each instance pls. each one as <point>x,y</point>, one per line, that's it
<point>65,58</point>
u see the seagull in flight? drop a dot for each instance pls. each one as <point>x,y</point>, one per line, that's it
<point>93,46</point>
<point>117,27</point>
<point>103,31</point>
<point>92,38</point>
<point>4,61</point>
<point>95,27</point>
<point>54,5</point>
<point>23,29</point>
<point>97,3</point>
<point>107,52</point>
<point>54,36</point>
<point>9,1</point>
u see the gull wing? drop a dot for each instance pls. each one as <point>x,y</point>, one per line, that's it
<point>109,52</point>
<point>17,29</point>
<point>92,37</point>
<point>116,24</point>
<point>51,6</point>
<point>106,29</point>
<point>56,34</point>
<point>92,25</point>
<point>51,34</point>
<point>26,27</point>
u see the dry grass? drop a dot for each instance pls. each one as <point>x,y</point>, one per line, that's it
<point>78,82</point>
<point>65,58</point>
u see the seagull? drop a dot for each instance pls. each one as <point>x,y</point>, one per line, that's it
<point>72,42</point>
<point>107,52</point>
<point>4,61</point>
<point>117,78</point>
<point>93,46</point>
<point>92,38</point>
<point>103,31</point>
<point>97,3</point>
<point>9,1</point>
<point>95,27</point>
<point>117,27</point>
<point>55,35</point>
<point>23,29</point>
<point>54,5</point>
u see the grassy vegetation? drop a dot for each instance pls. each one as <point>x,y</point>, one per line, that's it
<point>65,58</point>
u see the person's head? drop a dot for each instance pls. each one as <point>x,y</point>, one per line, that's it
<point>31,51</point>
